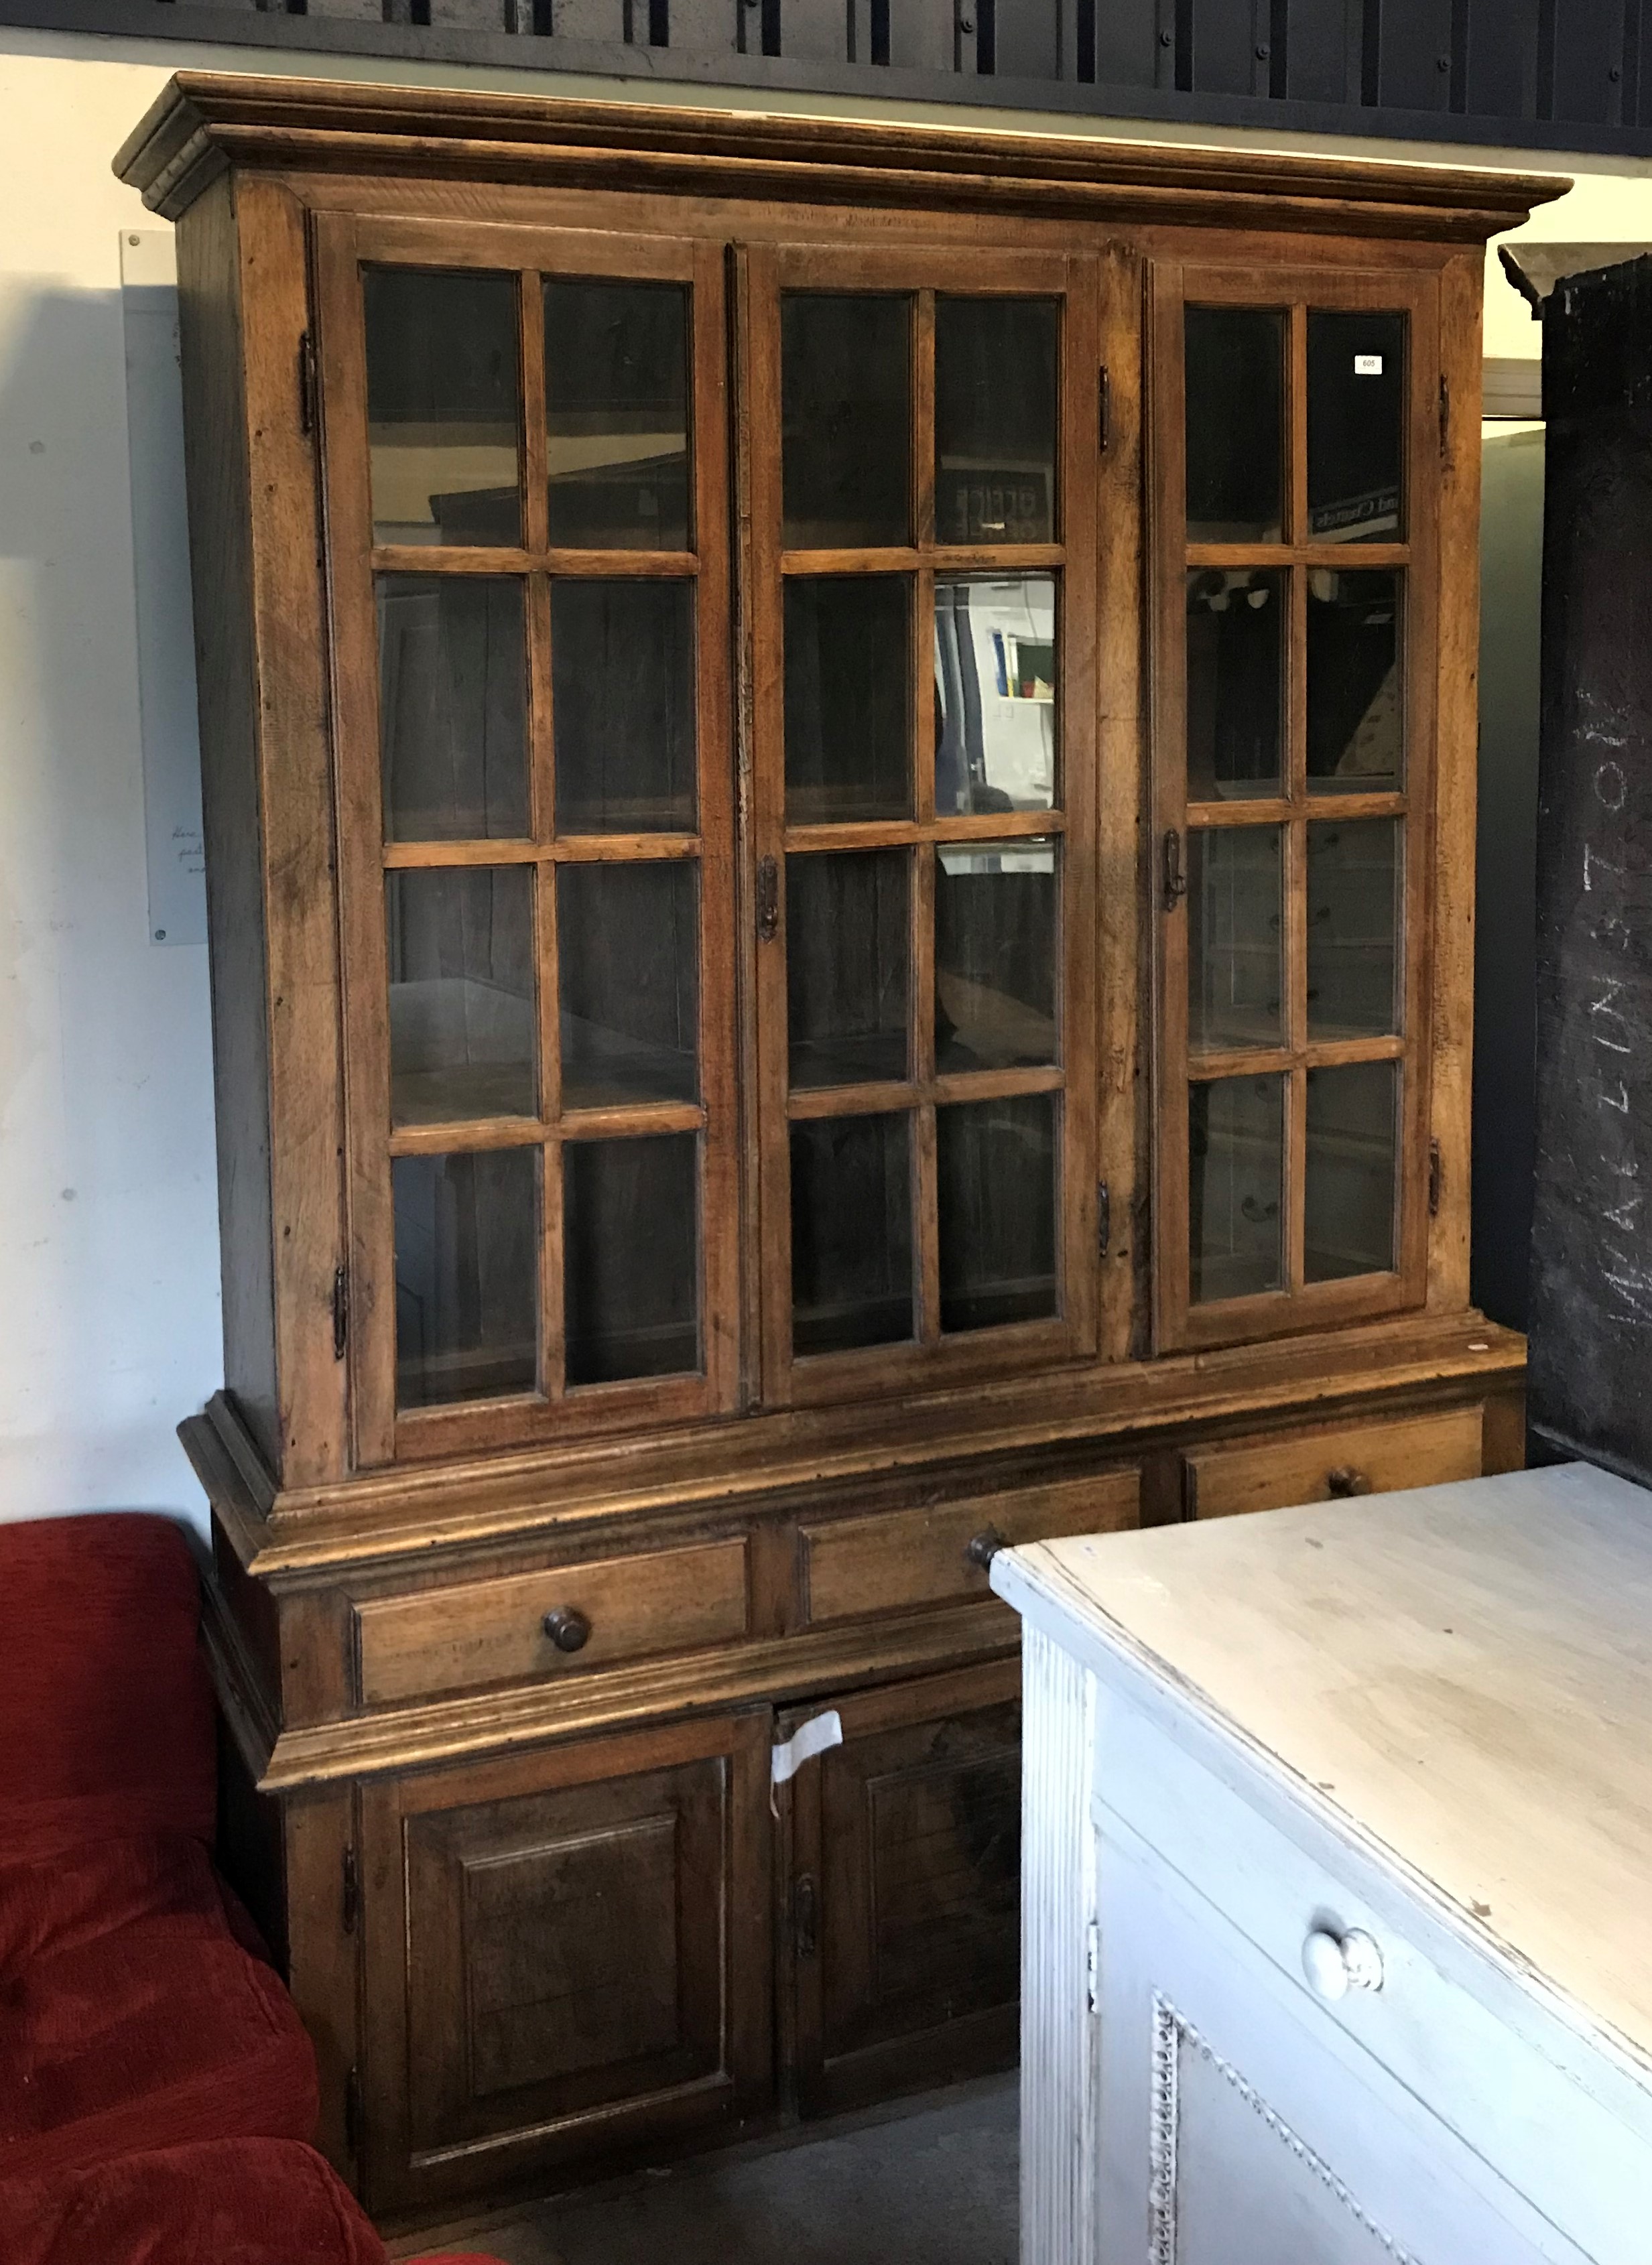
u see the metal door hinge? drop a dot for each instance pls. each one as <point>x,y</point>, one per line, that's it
<point>1103,409</point>
<point>307,383</point>
<point>768,901</point>
<point>341,1311</point>
<point>1445,422</point>
<point>1103,1218</point>
<point>353,2112</point>
<point>350,1893</point>
<point>1436,1179</point>
<point>1175,880</point>
<point>804,1914</point>
<point>1093,1965</point>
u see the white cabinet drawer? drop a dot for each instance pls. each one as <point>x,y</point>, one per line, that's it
<point>1254,2132</point>
<point>1455,2028</point>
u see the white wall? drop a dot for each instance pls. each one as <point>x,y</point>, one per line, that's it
<point>109,1325</point>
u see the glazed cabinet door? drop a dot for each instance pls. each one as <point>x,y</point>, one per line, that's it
<point>921,461</point>
<point>901,1937</point>
<point>1239,2126</point>
<point>567,1955</point>
<point>524,448</point>
<point>1297,450</point>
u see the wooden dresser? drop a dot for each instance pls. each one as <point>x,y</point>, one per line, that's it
<point>840,804</point>
<point>1339,1828</point>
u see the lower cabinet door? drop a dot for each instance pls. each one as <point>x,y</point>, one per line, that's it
<point>568,1956</point>
<point>900,1955</point>
<point>1240,2125</point>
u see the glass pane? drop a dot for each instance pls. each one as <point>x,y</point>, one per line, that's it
<point>1355,707</point>
<point>851,1233</point>
<point>995,954</point>
<point>1238,631</point>
<point>616,415</point>
<point>995,362</point>
<point>631,1257</point>
<point>1235,930</point>
<point>1235,1180</point>
<point>1354,913</point>
<point>848,697</point>
<point>846,414</point>
<point>622,706</point>
<point>453,729</point>
<point>846,951</point>
<point>1356,423</point>
<point>995,678</point>
<point>1235,423</point>
<point>628,955</point>
<point>461,994</point>
<point>443,417</point>
<point>996,1193</point>
<point>467,1244</point>
<point>1353,1150</point>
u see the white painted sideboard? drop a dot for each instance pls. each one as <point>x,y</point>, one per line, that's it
<point>1337,1895</point>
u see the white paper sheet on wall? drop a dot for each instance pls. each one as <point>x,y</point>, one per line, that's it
<point>166,631</point>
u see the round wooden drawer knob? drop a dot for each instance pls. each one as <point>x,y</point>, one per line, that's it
<point>1345,1483</point>
<point>568,1629</point>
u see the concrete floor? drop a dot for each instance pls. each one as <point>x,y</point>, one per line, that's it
<point>932,2184</point>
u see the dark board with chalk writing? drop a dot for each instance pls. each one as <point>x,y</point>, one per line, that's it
<point>1591,1243</point>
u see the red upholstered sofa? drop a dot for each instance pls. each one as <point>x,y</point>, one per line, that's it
<point>157,2092</point>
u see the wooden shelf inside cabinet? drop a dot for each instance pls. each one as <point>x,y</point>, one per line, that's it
<point>778,1021</point>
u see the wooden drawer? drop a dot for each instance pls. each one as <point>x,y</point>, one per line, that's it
<point>857,1565</point>
<point>494,1631</point>
<point>1356,1459</point>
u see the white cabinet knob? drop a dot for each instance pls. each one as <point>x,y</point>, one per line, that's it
<point>1336,1964</point>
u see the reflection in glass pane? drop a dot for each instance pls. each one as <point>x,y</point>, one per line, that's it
<point>452,732</point>
<point>461,950</point>
<point>846,950</point>
<point>1356,707</point>
<point>627,957</point>
<point>848,697</point>
<point>1235,1187</point>
<point>1353,1119</point>
<point>616,414</point>
<point>851,1233</point>
<point>466,1260</point>
<point>622,706</point>
<point>1238,630</point>
<point>1355,413</point>
<point>630,1231</point>
<point>995,680</point>
<point>996,1193</point>
<point>1354,913</point>
<point>1235,934</point>
<point>995,363</point>
<point>443,412</point>
<point>1235,402</point>
<point>845,415</point>
<point>995,954</point>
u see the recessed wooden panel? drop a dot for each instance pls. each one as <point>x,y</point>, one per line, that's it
<point>566,1952</point>
<point>1357,1458</point>
<point>892,1561</point>
<point>494,1631</point>
<point>905,1872</point>
<point>573,1950</point>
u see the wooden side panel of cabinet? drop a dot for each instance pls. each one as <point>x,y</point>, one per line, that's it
<point>567,1954</point>
<point>261,644</point>
<point>903,1926</point>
